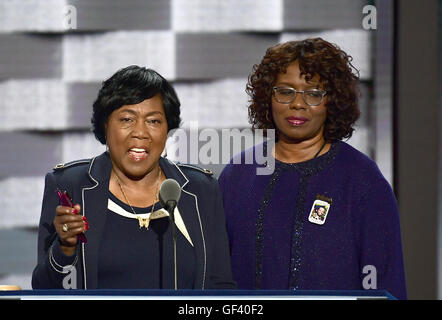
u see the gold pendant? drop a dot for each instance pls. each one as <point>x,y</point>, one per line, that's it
<point>144,222</point>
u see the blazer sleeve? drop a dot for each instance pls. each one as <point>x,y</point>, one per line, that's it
<point>53,266</point>
<point>218,251</point>
<point>381,259</point>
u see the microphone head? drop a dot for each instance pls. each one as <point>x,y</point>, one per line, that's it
<point>170,191</point>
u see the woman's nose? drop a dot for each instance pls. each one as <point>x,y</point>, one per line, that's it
<point>298,102</point>
<point>141,130</point>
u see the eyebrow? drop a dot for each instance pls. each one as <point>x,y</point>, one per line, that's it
<point>309,84</point>
<point>136,113</point>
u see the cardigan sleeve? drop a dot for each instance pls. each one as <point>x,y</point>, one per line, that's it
<point>52,264</point>
<point>380,247</point>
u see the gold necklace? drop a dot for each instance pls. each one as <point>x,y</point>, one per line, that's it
<point>141,221</point>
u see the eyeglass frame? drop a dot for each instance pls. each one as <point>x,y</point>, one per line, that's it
<point>323,93</point>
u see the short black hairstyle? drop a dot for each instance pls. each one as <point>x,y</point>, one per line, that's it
<point>132,85</point>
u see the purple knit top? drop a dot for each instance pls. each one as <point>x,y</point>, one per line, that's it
<point>276,244</point>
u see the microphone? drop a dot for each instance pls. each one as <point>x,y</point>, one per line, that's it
<point>169,195</point>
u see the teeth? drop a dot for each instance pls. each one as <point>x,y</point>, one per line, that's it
<point>297,121</point>
<point>137,150</point>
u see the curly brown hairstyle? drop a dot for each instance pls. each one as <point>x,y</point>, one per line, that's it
<point>315,56</point>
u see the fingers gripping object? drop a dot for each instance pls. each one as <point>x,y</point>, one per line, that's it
<point>66,201</point>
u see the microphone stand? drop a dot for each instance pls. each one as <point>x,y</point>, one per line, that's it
<point>171,204</point>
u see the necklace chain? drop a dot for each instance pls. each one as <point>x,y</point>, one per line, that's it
<point>322,147</point>
<point>142,222</point>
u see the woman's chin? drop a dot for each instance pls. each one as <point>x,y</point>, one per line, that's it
<point>137,170</point>
<point>298,134</point>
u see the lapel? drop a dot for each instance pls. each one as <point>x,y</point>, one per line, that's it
<point>94,206</point>
<point>189,210</point>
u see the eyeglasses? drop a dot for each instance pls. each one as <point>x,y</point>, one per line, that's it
<point>288,95</point>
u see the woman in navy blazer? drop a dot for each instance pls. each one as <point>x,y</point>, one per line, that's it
<point>129,239</point>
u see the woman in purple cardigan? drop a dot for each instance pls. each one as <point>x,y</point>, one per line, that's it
<point>326,218</point>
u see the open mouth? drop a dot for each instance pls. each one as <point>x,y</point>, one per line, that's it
<point>138,154</point>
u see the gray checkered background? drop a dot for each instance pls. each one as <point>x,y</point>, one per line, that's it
<point>50,75</point>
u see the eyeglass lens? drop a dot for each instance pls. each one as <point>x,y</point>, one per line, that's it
<point>288,95</point>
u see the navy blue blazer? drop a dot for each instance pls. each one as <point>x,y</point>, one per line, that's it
<point>87,181</point>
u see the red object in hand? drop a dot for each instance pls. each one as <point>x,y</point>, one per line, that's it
<point>66,201</point>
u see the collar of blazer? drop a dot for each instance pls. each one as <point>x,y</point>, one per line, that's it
<point>94,205</point>
<point>101,166</point>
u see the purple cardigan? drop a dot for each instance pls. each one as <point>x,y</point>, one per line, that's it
<point>275,246</point>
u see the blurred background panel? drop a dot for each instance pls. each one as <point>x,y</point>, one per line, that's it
<point>219,55</point>
<point>227,15</point>
<point>26,153</point>
<point>96,56</point>
<point>323,14</point>
<point>28,56</point>
<point>91,15</point>
<point>32,15</point>
<point>54,55</point>
<point>94,15</point>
